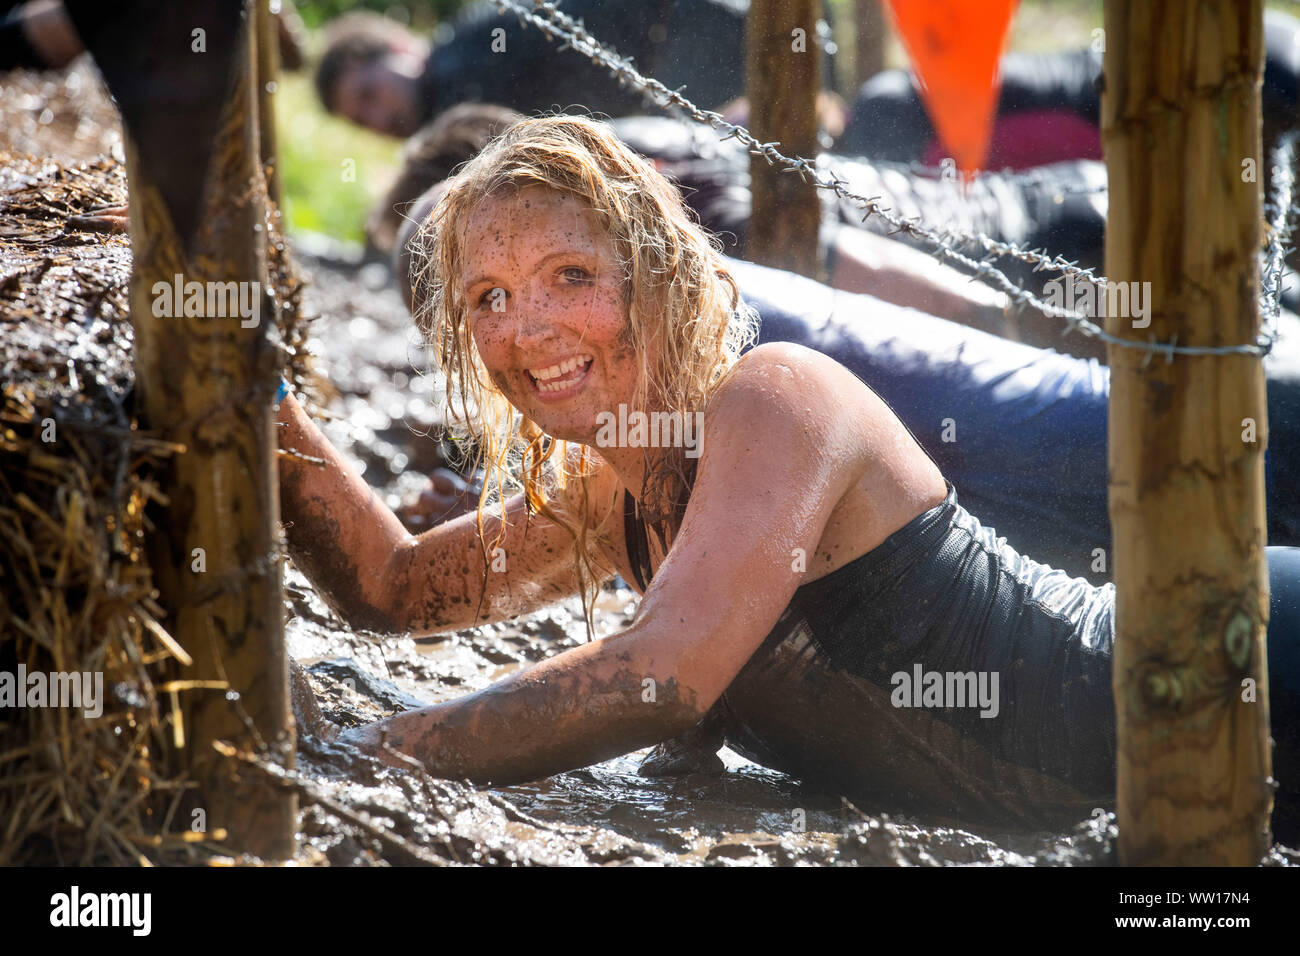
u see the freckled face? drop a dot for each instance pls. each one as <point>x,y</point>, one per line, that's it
<point>546,309</point>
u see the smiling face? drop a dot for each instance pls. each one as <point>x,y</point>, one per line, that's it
<point>547,311</point>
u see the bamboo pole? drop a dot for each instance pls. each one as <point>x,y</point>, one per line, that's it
<point>1180,113</point>
<point>783,70</point>
<point>206,382</point>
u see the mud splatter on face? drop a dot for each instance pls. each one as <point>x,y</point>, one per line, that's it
<point>547,307</point>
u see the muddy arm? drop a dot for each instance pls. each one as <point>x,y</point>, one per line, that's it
<point>379,577</point>
<point>660,676</point>
<point>586,705</point>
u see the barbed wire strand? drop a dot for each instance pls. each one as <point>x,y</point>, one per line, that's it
<point>945,244</point>
<point>1279,226</point>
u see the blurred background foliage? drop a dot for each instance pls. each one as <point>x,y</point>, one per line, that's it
<point>317,152</point>
<point>316,13</point>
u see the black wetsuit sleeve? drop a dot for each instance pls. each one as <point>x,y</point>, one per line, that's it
<point>1281,63</point>
<point>1064,79</point>
<point>698,45</point>
<point>889,121</point>
<point>524,69</point>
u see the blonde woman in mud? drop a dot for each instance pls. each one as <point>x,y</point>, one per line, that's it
<point>792,564</point>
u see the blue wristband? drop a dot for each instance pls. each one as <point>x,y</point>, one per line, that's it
<point>280,392</point>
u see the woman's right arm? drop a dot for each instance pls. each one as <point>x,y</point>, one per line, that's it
<point>380,577</point>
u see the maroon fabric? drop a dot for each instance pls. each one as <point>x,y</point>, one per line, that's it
<point>1034,138</point>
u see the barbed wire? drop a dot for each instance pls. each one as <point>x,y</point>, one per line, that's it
<point>946,244</point>
<point>1280,224</point>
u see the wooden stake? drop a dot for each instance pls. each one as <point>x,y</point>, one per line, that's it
<point>871,33</point>
<point>783,69</point>
<point>1180,116</point>
<point>206,381</point>
<point>268,80</point>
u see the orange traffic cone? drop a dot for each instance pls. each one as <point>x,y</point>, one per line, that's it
<point>955,46</point>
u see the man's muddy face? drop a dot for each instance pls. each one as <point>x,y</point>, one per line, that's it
<point>382,95</point>
<point>546,310</point>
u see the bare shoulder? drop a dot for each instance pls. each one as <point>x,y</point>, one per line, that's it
<point>786,364</point>
<point>817,440</point>
<point>791,397</point>
<point>777,358</point>
<point>782,380</point>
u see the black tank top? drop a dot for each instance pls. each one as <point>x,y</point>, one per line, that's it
<point>878,679</point>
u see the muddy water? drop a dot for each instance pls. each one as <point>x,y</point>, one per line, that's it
<point>740,814</point>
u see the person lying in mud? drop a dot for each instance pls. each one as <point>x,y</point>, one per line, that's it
<point>795,548</point>
<point>376,73</point>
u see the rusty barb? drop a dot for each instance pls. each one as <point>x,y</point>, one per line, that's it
<point>948,245</point>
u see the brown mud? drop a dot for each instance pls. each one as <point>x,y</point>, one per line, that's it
<point>66,294</point>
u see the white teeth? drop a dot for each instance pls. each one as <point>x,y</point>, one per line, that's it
<point>543,376</point>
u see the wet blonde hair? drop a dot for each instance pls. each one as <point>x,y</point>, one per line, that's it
<point>682,305</point>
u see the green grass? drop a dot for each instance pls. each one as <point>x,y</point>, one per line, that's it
<point>315,150</point>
